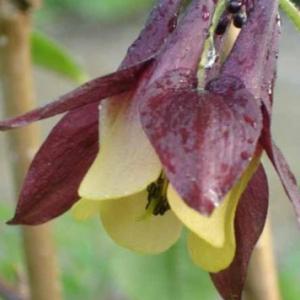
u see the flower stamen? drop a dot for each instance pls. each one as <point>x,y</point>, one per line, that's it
<point>157,196</point>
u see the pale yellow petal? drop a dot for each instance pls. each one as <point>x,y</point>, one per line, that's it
<point>84,209</point>
<point>212,240</point>
<point>127,162</point>
<point>126,222</point>
<point>211,259</point>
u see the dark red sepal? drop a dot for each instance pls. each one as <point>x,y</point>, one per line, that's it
<point>73,143</point>
<point>285,174</point>
<point>281,166</point>
<point>51,184</point>
<point>247,59</point>
<point>92,91</point>
<point>205,140</point>
<point>161,23</point>
<point>279,162</point>
<point>249,223</point>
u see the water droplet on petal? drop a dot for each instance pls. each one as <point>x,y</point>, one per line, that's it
<point>213,196</point>
<point>278,20</point>
<point>211,57</point>
<point>270,89</point>
<point>172,24</point>
<point>205,13</point>
<point>245,155</point>
<point>248,119</point>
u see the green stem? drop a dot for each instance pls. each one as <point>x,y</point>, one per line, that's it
<point>217,15</point>
<point>209,43</point>
<point>291,11</point>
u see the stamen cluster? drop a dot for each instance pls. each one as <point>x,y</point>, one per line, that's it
<point>157,198</point>
<point>235,11</point>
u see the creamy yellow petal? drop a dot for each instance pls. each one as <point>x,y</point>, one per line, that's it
<point>84,209</point>
<point>211,242</point>
<point>127,162</point>
<point>126,222</point>
<point>208,257</point>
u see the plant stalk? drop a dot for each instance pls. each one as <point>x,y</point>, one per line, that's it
<point>262,279</point>
<point>18,92</point>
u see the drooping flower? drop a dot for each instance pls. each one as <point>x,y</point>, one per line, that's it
<point>170,153</point>
<point>73,143</point>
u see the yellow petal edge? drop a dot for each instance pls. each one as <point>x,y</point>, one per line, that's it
<point>211,242</point>
<point>126,162</point>
<point>126,223</point>
<point>84,209</point>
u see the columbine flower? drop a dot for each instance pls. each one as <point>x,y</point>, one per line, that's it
<point>170,153</point>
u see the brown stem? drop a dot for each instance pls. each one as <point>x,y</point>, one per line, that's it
<point>19,97</point>
<point>262,281</point>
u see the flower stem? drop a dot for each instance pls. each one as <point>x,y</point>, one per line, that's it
<point>262,281</point>
<point>18,94</point>
<point>291,11</point>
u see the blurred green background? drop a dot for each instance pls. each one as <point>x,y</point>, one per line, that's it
<point>97,33</point>
<point>104,10</point>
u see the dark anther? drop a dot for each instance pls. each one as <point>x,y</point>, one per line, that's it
<point>222,25</point>
<point>234,6</point>
<point>161,207</point>
<point>240,19</point>
<point>157,200</point>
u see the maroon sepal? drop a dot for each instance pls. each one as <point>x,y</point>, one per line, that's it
<point>53,178</point>
<point>205,140</point>
<point>279,162</point>
<point>161,22</point>
<point>286,176</point>
<point>281,166</point>
<point>247,60</point>
<point>270,71</point>
<point>92,91</point>
<point>51,185</point>
<point>184,46</point>
<point>249,223</point>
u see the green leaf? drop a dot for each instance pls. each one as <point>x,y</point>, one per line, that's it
<point>168,276</point>
<point>48,54</point>
<point>291,11</point>
<point>84,268</point>
<point>104,10</point>
<point>289,275</point>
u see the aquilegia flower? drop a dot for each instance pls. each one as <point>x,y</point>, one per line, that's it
<point>172,153</point>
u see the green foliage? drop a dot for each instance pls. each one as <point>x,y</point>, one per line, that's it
<point>48,54</point>
<point>10,250</point>
<point>168,276</point>
<point>93,267</point>
<point>290,274</point>
<point>291,11</point>
<point>104,9</point>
